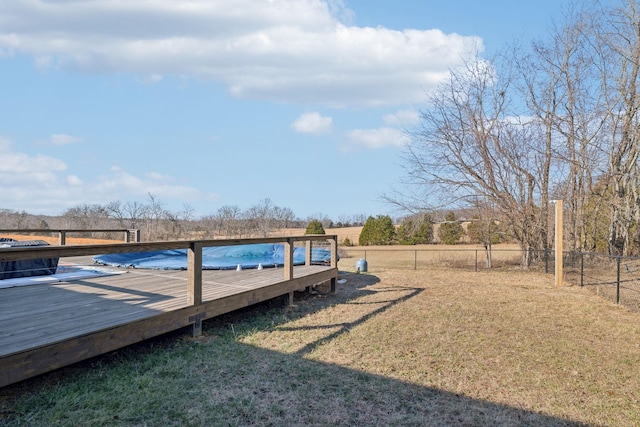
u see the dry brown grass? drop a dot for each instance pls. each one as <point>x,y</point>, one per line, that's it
<point>436,346</point>
<point>512,339</point>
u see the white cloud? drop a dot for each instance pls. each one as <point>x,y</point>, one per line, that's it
<point>74,181</point>
<point>63,139</point>
<point>402,118</point>
<point>151,79</point>
<point>42,184</point>
<point>284,50</point>
<point>377,138</point>
<point>312,123</point>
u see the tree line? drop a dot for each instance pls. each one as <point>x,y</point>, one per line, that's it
<point>419,229</point>
<point>157,222</point>
<point>555,119</point>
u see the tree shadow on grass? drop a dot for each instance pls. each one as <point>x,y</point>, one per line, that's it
<point>218,380</point>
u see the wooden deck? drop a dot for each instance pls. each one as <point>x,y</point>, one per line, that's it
<point>46,326</point>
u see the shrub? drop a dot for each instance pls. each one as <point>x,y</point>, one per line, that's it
<point>377,231</point>
<point>450,229</point>
<point>415,230</point>
<point>314,227</point>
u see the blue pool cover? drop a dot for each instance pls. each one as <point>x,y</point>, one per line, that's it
<point>215,258</point>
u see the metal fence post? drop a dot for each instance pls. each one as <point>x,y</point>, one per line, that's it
<point>415,259</point>
<point>476,260</point>
<point>581,269</point>
<point>618,283</point>
<point>546,260</point>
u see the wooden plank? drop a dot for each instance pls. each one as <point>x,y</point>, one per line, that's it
<point>29,363</point>
<point>89,317</point>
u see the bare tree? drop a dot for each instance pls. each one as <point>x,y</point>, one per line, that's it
<point>561,90</point>
<point>153,215</point>
<point>86,217</point>
<point>470,146</point>
<point>284,217</point>
<point>261,217</point>
<point>618,38</point>
<point>228,220</point>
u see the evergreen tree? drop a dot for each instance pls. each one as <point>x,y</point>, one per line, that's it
<point>450,230</point>
<point>484,232</point>
<point>415,230</point>
<point>314,227</point>
<point>424,233</point>
<point>377,231</point>
<point>405,234</point>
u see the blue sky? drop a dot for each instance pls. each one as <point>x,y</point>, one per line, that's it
<point>207,103</point>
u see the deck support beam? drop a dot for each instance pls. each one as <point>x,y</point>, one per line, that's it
<point>196,324</point>
<point>289,299</point>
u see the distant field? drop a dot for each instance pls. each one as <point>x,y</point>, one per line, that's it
<point>353,233</point>
<point>422,256</point>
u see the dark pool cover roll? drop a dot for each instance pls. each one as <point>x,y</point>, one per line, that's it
<point>29,267</point>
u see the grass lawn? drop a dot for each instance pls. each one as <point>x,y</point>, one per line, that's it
<point>398,347</point>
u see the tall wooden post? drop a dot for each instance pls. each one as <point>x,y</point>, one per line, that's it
<point>558,242</point>
<point>194,274</point>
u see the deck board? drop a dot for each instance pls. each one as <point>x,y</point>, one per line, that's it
<point>77,319</point>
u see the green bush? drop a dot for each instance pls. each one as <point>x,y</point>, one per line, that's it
<point>450,229</point>
<point>314,227</point>
<point>377,231</point>
<point>415,230</point>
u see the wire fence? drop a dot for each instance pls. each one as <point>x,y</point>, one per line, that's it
<point>615,278</point>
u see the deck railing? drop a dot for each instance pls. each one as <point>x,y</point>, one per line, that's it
<point>194,254</point>
<point>130,235</point>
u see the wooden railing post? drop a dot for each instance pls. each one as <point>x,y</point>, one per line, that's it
<point>334,252</point>
<point>308,252</point>
<point>288,266</point>
<point>194,285</point>
<point>288,259</point>
<point>136,235</point>
<point>334,260</point>
<point>63,237</point>
<point>194,272</point>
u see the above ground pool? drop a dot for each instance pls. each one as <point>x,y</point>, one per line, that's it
<point>215,258</point>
